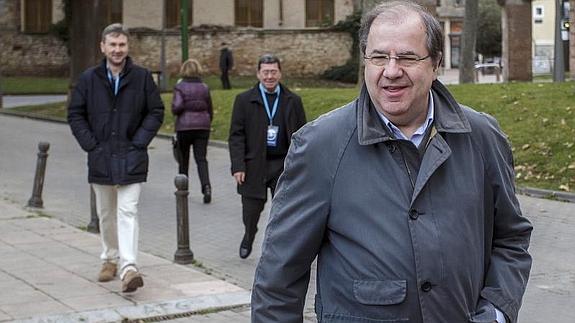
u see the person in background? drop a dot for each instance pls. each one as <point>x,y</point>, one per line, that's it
<point>114,112</point>
<point>263,121</point>
<point>192,108</point>
<point>406,197</point>
<point>226,64</point>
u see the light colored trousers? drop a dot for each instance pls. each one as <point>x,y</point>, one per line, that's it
<point>117,207</point>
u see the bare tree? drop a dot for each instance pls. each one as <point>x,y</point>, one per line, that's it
<point>468,37</point>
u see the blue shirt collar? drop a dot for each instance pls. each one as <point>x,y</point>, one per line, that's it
<point>420,132</point>
<point>263,88</point>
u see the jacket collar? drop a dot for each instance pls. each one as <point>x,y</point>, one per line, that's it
<point>101,70</point>
<point>449,116</point>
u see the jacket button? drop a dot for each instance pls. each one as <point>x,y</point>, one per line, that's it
<point>113,133</point>
<point>426,286</point>
<point>413,214</point>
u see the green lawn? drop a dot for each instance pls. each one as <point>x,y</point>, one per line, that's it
<point>538,117</point>
<point>59,85</point>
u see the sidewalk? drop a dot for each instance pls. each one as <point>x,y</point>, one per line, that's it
<point>48,273</point>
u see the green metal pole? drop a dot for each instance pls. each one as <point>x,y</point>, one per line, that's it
<point>184,26</point>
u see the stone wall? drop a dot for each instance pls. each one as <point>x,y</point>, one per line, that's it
<point>32,55</point>
<point>303,53</point>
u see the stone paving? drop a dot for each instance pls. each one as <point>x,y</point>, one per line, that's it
<point>48,273</point>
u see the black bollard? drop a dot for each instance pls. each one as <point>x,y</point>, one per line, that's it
<point>36,199</point>
<point>183,255</point>
<point>94,225</point>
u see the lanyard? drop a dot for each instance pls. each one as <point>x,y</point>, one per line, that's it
<point>116,81</point>
<point>266,104</point>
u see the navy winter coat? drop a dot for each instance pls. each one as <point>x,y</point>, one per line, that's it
<point>116,130</point>
<point>447,249</point>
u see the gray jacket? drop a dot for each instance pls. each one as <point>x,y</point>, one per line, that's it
<point>443,249</point>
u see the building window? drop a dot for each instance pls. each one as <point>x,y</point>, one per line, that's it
<point>173,16</point>
<point>37,16</point>
<point>538,14</point>
<point>113,9</point>
<point>249,13</point>
<point>319,13</point>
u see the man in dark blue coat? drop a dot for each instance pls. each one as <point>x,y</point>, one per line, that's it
<point>115,111</point>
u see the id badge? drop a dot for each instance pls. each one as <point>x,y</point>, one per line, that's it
<point>272,138</point>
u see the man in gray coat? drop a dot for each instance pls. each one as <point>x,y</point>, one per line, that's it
<point>406,198</point>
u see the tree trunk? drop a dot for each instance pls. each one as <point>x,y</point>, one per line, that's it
<point>1,96</point>
<point>468,37</point>
<point>88,20</point>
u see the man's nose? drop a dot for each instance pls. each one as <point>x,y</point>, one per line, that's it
<point>392,69</point>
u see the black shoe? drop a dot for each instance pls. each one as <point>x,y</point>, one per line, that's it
<point>245,250</point>
<point>207,191</point>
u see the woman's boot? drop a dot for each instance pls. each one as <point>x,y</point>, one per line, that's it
<point>207,191</point>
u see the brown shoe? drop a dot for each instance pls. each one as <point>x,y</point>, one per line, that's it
<point>132,281</point>
<point>108,272</point>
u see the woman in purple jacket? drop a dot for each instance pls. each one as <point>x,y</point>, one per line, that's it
<point>192,108</point>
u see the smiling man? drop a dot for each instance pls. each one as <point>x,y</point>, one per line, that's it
<point>115,111</point>
<point>406,198</point>
<point>263,121</point>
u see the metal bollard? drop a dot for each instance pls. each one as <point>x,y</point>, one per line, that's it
<point>36,199</point>
<point>94,225</point>
<point>183,255</point>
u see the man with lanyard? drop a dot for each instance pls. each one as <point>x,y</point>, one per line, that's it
<point>115,111</point>
<point>263,120</point>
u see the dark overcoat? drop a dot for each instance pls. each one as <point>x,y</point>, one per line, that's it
<point>450,248</point>
<point>248,133</point>
<point>116,130</point>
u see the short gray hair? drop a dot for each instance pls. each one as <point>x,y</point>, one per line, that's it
<point>115,30</point>
<point>398,8</point>
<point>269,59</point>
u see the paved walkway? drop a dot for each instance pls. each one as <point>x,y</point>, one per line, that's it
<point>12,101</point>
<point>215,229</point>
<point>48,274</point>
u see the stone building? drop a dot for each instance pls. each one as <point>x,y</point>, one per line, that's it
<point>544,34</point>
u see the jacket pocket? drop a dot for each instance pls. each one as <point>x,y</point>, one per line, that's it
<point>98,163</point>
<point>137,161</point>
<point>380,292</point>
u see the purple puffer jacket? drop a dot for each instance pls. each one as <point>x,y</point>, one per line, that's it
<point>192,105</point>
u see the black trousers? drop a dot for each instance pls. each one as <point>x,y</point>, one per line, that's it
<point>252,207</point>
<point>198,139</point>
<point>225,80</point>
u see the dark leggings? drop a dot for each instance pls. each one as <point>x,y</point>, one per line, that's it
<point>198,139</point>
